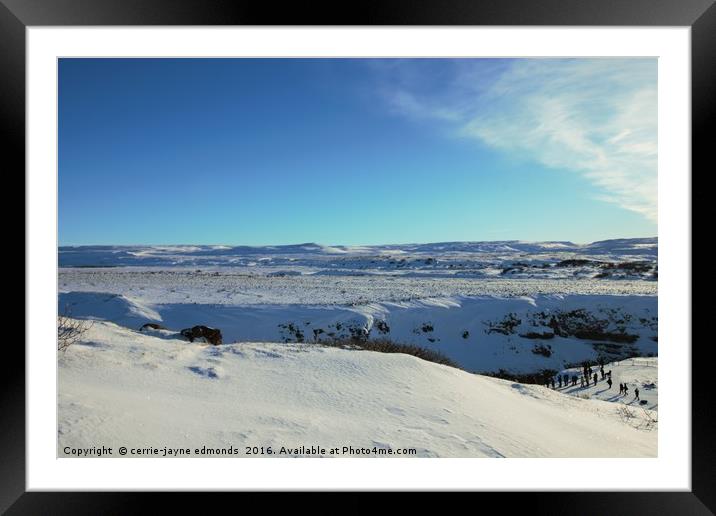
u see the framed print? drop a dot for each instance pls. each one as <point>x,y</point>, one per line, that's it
<point>435,249</point>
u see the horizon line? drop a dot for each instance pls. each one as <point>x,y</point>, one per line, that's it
<point>366,245</point>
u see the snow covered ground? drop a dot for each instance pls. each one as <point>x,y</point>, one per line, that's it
<point>243,286</point>
<point>505,308</point>
<point>610,259</point>
<point>641,373</point>
<point>119,387</point>
<point>488,305</point>
<point>481,334</point>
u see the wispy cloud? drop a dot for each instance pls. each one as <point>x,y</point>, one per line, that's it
<point>595,117</point>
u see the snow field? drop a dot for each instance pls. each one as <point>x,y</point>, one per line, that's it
<point>119,387</point>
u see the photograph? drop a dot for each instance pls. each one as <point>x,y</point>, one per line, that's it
<point>357,257</point>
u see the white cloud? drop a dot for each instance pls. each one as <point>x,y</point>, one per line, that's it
<point>596,117</point>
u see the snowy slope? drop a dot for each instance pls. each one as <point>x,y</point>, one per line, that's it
<point>481,334</point>
<point>123,388</point>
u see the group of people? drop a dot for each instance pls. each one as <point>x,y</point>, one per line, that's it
<point>588,375</point>
<point>624,390</point>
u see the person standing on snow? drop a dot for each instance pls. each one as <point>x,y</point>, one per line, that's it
<point>636,393</point>
<point>595,378</point>
<point>626,389</point>
<point>621,388</point>
<point>581,379</point>
<point>609,383</point>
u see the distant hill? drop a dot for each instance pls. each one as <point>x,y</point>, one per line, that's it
<point>307,253</point>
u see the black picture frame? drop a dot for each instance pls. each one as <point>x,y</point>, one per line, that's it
<point>700,15</point>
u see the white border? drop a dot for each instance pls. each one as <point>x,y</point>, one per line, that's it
<point>671,470</point>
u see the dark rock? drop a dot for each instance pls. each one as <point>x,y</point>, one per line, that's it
<point>606,336</point>
<point>541,349</point>
<point>575,263</point>
<point>536,335</point>
<point>505,327</point>
<point>358,332</point>
<point>151,326</point>
<point>635,266</point>
<point>382,326</point>
<point>211,335</point>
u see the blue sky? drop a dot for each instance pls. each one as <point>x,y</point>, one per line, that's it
<point>355,151</point>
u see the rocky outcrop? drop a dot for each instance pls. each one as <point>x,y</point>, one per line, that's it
<point>537,335</point>
<point>151,326</point>
<point>209,335</point>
